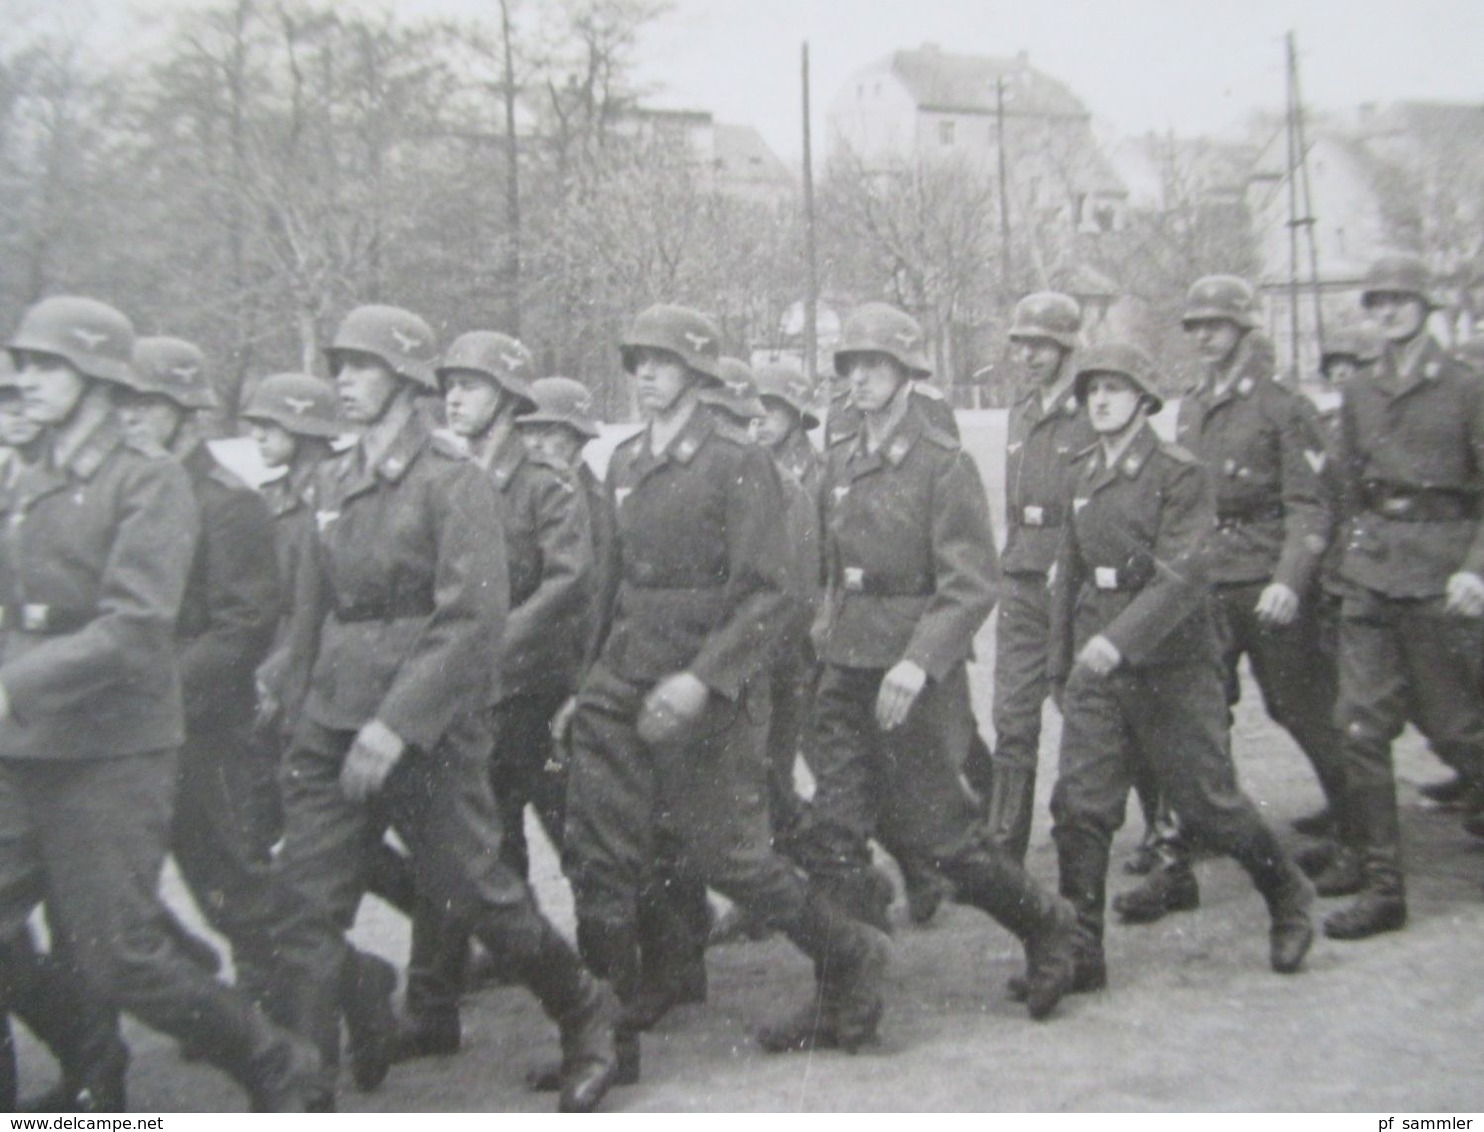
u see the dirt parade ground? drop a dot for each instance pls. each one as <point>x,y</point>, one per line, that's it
<point>1192,1019</point>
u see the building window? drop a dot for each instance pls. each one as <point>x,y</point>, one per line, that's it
<point>945,132</point>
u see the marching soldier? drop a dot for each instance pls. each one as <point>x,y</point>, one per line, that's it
<point>783,431</point>
<point>911,575</point>
<point>1412,622</point>
<point>1047,427</point>
<point>399,611</point>
<point>221,836</point>
<point>1263,448</point>
<point>97,547</point>
<point>1134,655</point>
<point>668,727</point>
<point>486,379</point>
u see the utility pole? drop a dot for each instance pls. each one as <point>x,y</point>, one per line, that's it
<point>1308,217</point>
<point>512,184</point>
<point>811,285</point>
<point>999,115</point>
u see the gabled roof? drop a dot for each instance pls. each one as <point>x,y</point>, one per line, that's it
<point>941,80</point>
<point>741,152</point>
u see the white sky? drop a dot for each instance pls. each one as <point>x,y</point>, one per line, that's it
<point>1194,66</point>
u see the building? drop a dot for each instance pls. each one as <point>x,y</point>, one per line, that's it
<point>733,159</point>
<point>926,105</point>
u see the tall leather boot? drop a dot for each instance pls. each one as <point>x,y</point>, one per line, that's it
<point>1382,904</point>
<point>81,1033</point>
<point>1341,871</point>
<point>672,955</point>
<point>436,970</point>
<point>1045,924</point>
<point>1288,894</point>
<point>280,1071</point>
<point>366,986</point>
<point>850,962</point>
<point>1082,869</point>
<point>1012,803</point>
<point>583,1007</point>
<point>311,1009</point>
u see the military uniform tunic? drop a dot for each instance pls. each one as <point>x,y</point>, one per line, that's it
<point>1265,451</point>
<point>1041,443</point>
<point>94,557</point>
<point>1412,465</point>
<point>697,578</point>
<point>1133,568</point>
<point>912,575</point>
<point>400,606</point>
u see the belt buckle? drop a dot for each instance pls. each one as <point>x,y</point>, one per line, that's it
<point>1105,577</point>
<point>1396,505</point>
<point>34,617</point>
<point>1035,517</point>
<point>855,579</point>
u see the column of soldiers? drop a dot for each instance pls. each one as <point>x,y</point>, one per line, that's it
<point>437,616</point>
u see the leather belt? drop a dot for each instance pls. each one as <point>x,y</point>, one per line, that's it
<point>877,583</point>
<point>1419,505</point>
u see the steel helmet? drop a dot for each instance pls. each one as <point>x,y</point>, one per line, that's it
<point>1355,342</point>
<point>780,381</point>
<point>1399,275</point>
<point>174,369</point>
<point>1122,358</point>
<point>298,404</point>
<point>686,333</point>
<point>501,358</point>
<point>737,393</point>
<point>561,401</point>
<point>403,341</point>
<point>1223,298</point>
<point>1049,315</point>
<point>878,328</point>
<point>93,337</point>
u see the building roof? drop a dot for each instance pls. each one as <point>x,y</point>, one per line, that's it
<point>742,154</point>
<point>965,84</point>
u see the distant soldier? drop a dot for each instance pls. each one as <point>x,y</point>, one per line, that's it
<point>911,574</point>
<point>222,835</point>
<point>98,543</point>
<point>783,430</point>
<point>399,611</point>
<point>1047,428</point>
<point>667,731</point>
<point>1265,453</point>
<point>1133,652</point>
<point>1412,622</point>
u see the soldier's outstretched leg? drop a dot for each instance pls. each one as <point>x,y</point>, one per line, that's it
<point>81,1033</point>
<point>436,971</point>
<point>1381,905</point>
<point>850,961</point>
<point>1185,733</point>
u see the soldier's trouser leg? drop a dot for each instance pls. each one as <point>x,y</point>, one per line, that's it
<point>674,921</point>
<point>1020,690</point>
<point>217,840</point>
<point>1400,661</point>
<point>834,843</point>
<point>521,773</point>
<point>389,876</point>
<point>81,1033</point>
<point>1299,683</point>
<point>89,839</point>
<point>1095,770</point>
<point>1178,719</point>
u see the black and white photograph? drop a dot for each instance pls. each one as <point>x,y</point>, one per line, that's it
<point>802,556</point>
